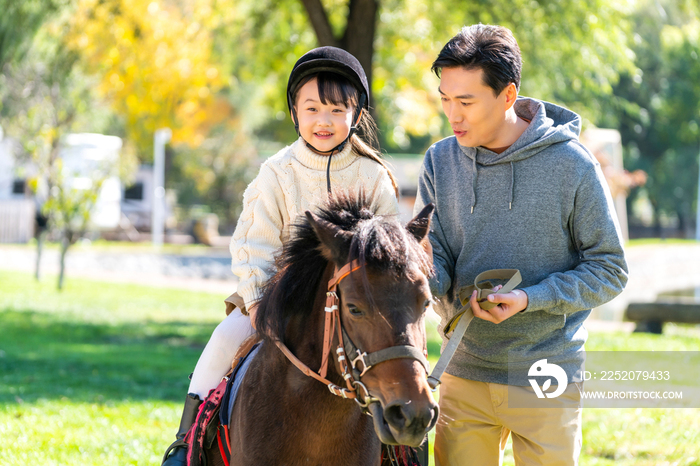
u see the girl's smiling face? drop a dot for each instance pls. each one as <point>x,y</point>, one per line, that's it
<point>323,125</point>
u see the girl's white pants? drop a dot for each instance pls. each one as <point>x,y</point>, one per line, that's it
<point>217,356</point>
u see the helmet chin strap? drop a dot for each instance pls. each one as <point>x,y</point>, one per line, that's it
<point>336,149</point>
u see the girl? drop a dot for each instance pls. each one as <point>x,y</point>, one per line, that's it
<point>328,98</point>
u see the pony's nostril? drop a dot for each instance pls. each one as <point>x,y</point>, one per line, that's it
<point>403,416</point>
<point>434,415</point>
<point>395,416</point>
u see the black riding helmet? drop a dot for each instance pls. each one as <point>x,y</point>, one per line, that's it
<point>334,60</point>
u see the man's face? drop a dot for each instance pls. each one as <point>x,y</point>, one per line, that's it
<point>476,115</point>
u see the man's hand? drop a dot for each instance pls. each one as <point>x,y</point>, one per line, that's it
<point>509,304</point>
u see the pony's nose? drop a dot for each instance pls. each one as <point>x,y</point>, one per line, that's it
<point>408,418</point>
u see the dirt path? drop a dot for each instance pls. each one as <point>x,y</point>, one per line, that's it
<point>209,273</point>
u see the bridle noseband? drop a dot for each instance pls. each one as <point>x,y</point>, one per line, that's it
<point>350,373</point>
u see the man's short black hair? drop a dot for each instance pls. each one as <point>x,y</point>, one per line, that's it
<point>492,49</point>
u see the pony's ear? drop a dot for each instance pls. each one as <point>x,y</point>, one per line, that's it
<point>332,238</point>
<point>420,225</point>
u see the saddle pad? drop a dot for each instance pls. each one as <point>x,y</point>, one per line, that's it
<point>234,385</point>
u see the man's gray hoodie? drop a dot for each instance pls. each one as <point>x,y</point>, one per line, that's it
<point>542,207</point>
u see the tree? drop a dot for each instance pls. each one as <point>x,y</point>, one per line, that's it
<point>45,96</point>
<point>153,60</point>
<point>656,107</point>
<point>19,22</point>
<point>155,63</point>
<point>358,35</point>
<point>573,50</point>
<point>71,207</point>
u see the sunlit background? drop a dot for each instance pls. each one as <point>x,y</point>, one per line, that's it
<point>130,128</point>
<point>214,72</point>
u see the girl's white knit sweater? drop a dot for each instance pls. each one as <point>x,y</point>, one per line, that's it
<point>290,183</point>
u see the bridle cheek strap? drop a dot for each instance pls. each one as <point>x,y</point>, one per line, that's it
<point>332,323</point>
<point>349,370</point>
<point>333,312</point>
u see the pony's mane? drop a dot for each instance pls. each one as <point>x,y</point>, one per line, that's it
<point>380,243</point>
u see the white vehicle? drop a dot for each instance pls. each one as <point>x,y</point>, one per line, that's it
<point>81,155</point>
<point>17,208</point>
<point>85,157</point>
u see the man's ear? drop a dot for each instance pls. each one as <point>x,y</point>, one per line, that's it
<point>419,227</point>
<point>332,238</point>
<point>511,95</point>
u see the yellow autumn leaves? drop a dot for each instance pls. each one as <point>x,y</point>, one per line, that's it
<point>154,61</point>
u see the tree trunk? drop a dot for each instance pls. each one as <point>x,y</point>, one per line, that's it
<point>319,21</point>
<point>360,32</point>
<point>682,223</point>
<point>358,38</point>
<point>39,247</point>
<point>658,230</point>
<point>65,244</point>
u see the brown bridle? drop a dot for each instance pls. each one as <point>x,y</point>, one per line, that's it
<point>351,377</point>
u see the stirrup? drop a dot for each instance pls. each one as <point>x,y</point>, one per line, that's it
<point>177,444</point>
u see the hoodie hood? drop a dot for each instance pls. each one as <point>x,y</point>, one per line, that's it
<point>549,124</point>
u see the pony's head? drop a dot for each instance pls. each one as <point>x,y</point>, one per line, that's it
<point>382,303</point>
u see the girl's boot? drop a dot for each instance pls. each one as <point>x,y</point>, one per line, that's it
<point>176,454</point>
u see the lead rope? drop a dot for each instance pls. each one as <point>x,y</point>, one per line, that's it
<point>459,323</point>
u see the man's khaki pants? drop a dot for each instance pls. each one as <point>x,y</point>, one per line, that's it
<point>475,422</point>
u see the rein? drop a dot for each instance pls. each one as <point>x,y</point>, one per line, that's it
<point>350,373</point>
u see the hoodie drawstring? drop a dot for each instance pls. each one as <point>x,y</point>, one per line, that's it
<point>474,177</point>
<point>512,182</point>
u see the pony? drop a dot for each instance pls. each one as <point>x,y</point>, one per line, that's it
<point>282,415</point>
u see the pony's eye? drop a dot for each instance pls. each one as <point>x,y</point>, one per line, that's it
<point>354,310</point>
<point>427,303</point>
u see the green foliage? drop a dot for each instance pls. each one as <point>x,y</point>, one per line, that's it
<point>573,52</point>
<point>656,106</point>
<point>625,64</point>
<point>19,21</point>
<point>47,93</point>
<point>259,49</point>
<point>69,208</point>
<point>44,97</point>
<point>215,175</point>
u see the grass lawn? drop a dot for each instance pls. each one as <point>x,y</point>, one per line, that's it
<point>97,374</point>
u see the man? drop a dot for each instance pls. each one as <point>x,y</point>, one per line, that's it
<point>513,188</point>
